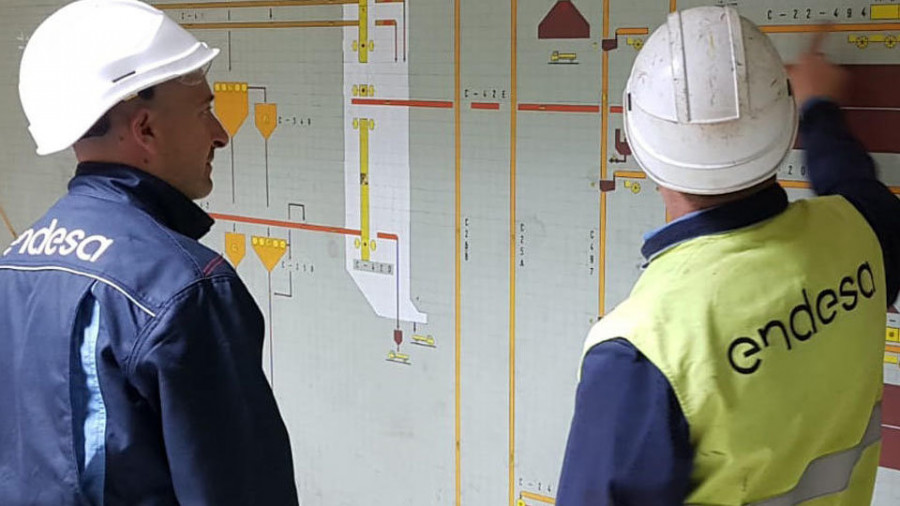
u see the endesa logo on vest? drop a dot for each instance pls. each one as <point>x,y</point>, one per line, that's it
<point>61,242</point>
<point>745,354</point>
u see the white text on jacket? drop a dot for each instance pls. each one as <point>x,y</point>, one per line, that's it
<point>59,241</point>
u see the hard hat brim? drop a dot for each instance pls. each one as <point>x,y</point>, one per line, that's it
<point>676,161</point>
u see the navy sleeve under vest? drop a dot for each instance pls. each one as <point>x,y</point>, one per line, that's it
<point>839,165</point>
<point>629,442</point>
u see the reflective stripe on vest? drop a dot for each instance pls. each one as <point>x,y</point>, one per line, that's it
<point>830,474</point>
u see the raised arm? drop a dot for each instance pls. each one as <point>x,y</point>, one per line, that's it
<point>837,163</point>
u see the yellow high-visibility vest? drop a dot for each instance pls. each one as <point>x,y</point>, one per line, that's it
<point>772,337</point>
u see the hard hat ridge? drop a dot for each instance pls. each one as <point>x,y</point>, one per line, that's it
<point>708,104</point>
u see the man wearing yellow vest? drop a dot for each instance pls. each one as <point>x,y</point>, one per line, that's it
<point>745,368</point>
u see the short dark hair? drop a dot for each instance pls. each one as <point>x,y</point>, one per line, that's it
<point>102,126</point>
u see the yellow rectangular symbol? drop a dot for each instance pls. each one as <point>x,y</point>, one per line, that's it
<point>882,12</point>
<point>365,239</point>
<point>893,334</point>
<point>890,359</point>
<point>363,43</point>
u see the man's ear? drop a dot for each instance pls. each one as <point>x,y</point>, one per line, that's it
<point>143,129</point>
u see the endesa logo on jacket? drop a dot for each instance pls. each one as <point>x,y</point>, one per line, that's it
<point>61,242</point>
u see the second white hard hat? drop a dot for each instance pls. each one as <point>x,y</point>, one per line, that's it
<point>708,108</point>
<point>90,55</point>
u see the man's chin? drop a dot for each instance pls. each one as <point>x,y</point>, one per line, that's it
<point>201,192</point>
<point>206,191</point>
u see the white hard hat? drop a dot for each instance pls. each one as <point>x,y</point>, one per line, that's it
<point>708,106</point>
<point>92,54</point>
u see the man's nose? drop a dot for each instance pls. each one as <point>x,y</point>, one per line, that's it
<point>220,136</point>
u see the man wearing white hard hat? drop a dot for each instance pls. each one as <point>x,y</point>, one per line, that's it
<point>130,354</point>
<point>745,367</point>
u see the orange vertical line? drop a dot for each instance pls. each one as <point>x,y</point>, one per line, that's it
<point>458,238</point>
<point>601,258</point>
<point>605,19</point>
<point>604,126</point>
<point>514,34</point>
<point>8,223</point>
<point>672,5</point>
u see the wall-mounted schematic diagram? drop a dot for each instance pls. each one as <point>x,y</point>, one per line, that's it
<point>497,124</point>
<point>377,227</point>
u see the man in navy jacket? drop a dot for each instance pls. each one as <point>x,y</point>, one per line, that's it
<point>130,354</point>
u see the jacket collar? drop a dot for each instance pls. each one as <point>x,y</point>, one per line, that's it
<point>753,209</point>
<point>134,187</point>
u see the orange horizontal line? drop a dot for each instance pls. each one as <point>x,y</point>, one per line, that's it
<point>298,226</point>
<point>784,183</point>
<point>559,108</point>
<point>892,349</point>
<point>805,184</point>
<point>385,22</point>
<point>793,184</point>
<point>269,24</point>
<point>616,109</point>
<point>436,104</point>
<point>632,174</point>
<point>537,497</point>
<point>251,3</point>
<point>493,106</point>
<point>632,31</point>
<point>285,224</point>
<point>855,27</point>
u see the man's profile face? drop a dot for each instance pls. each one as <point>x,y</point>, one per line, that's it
<point>189,133</point>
